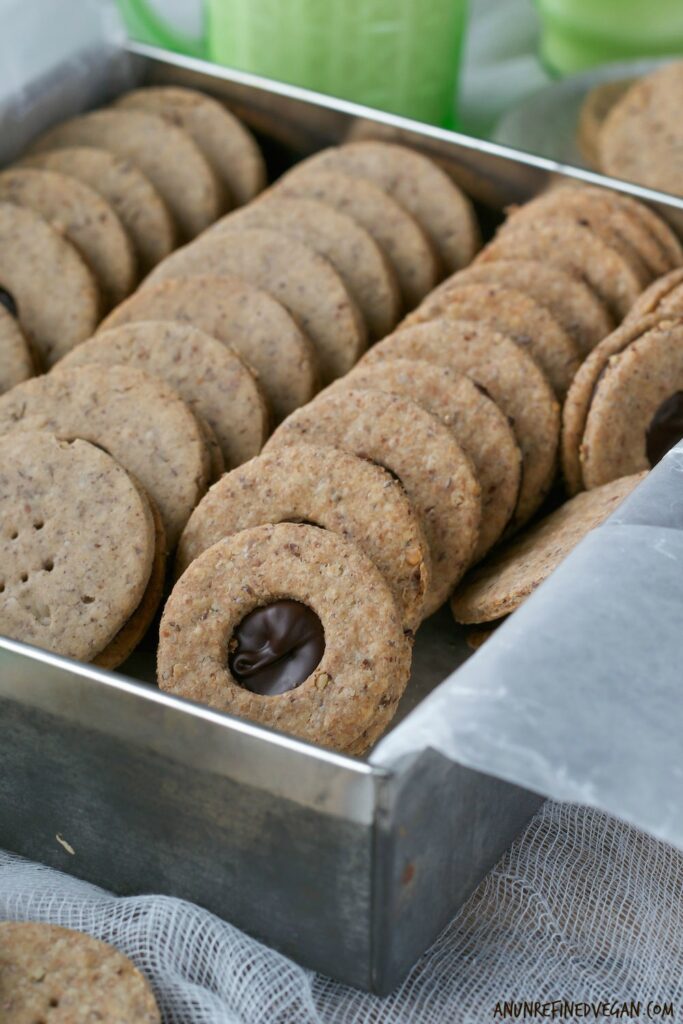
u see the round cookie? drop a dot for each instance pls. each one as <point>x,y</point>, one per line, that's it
<point>304,282</point>
<point>636,412</point>
<point>82,217</point>
<point>53,291</point>
<point>81,978</point>
<point>512,379</point>
<point>77,543</point>
<point>352,661</point>
<point>649,115</point>
<point>243,317</point>
<point>130,194</point>
<point>564,242</point>
<point>478,425</point>
<point>210,378</point>
<point>225,142</point>
<point>577,403</point>
<point>400,237</point>
<point>16,363</point>
<point>500,586</point>
<point>165,154</point>
<point>352,252</point>
<point>517,316</point>
<point>594,109</point>
<point>328,488</point>
<point>664,296</point>
<point>138,419</point>
<point>569,300</point>
<point>422,452</point>
<point>420,186</point>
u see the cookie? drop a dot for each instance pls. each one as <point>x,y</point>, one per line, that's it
<point>53,291</point>
<point>332,489</point>
<point>569,300</point>
<point>417,448</point>
<point>594,109</point>
<point>420,186</point>
<point>229,147</point>
<point>290,626</point>
<point>82,217</point>
<point>636,410</point>
<point>16,362</point>
<point>243,317</point>
<point>664,296</point>
<point>77,544</point>
<point>400,237</point>
<point>48,973</point>
<point>304,282</point>
<point>515,315</point>
<point>352,252</point>
<point>138,419</point>
<point>130,194</point>
<point>563,241</point>
<point>512,379</point>
<point>165,154</point>
<point>503,583</point>
<point>478,425</point>
<point>207,375</point>
<point>640,139</point>
<point>579,397</point>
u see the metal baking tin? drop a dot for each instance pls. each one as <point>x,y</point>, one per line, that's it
<point>349,869</point>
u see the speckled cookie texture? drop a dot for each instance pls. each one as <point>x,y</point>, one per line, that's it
<point>226,143</point>
<point>478,425</point>
<point>510,575</point>
<point>630,391</point>
<point>333,489</point>
<point>565,242</point>
<point>76,543</point>
<point>421,451</point>
<point>400,237</point>
<point>164,153</point>
<point>214,381</point>
<point>664,296</point>
<point>352,252</point>
<point>594,109</point>
<point>131,195</point>
<point>419,185</point>
<point>580,395</point>
<point>512,379</point>
<point>304,282</point>
<point>53,974</point>
<point>640,139</point>
<point>137,418</point>
<point>16,362</point>
<point>82,217</point>
<point>569,300</point>
<point>366,661</point>
<point>54,291</point>
<point>514,314</point>
<point>245,318</point>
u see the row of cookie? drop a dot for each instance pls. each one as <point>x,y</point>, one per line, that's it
<point>103,198</point>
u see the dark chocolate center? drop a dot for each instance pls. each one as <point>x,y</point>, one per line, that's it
<point>276,647</point>
<point>666,428</point>
<point>8,301</point>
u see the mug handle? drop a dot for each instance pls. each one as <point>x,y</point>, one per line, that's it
<point>158,31</point>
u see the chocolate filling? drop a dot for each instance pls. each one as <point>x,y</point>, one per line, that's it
<point>665,429</point>
<point>276,647</point>
<point>8,301</point>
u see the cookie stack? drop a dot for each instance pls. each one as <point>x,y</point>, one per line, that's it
<point>98,202</point>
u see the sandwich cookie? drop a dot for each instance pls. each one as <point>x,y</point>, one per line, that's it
<point>664,297</point>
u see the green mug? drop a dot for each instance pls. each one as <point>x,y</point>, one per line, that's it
<point>578,34</point>
<point>400,56</point>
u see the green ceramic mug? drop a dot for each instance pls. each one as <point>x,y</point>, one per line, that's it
<point>401,56</point>
<point>578,34</point>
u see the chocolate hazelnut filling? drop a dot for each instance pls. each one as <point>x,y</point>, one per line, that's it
<point>665,429</point>
<point>8,301</point>
<point>276,647</point>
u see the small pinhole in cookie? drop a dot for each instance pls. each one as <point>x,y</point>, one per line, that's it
<point>54,1002</point>
<point>14,534</point>
<point>38,525</point>
<point>2,586</point>
<point>48,565</point>
<point>24,577</point>
<point>86,599</point>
